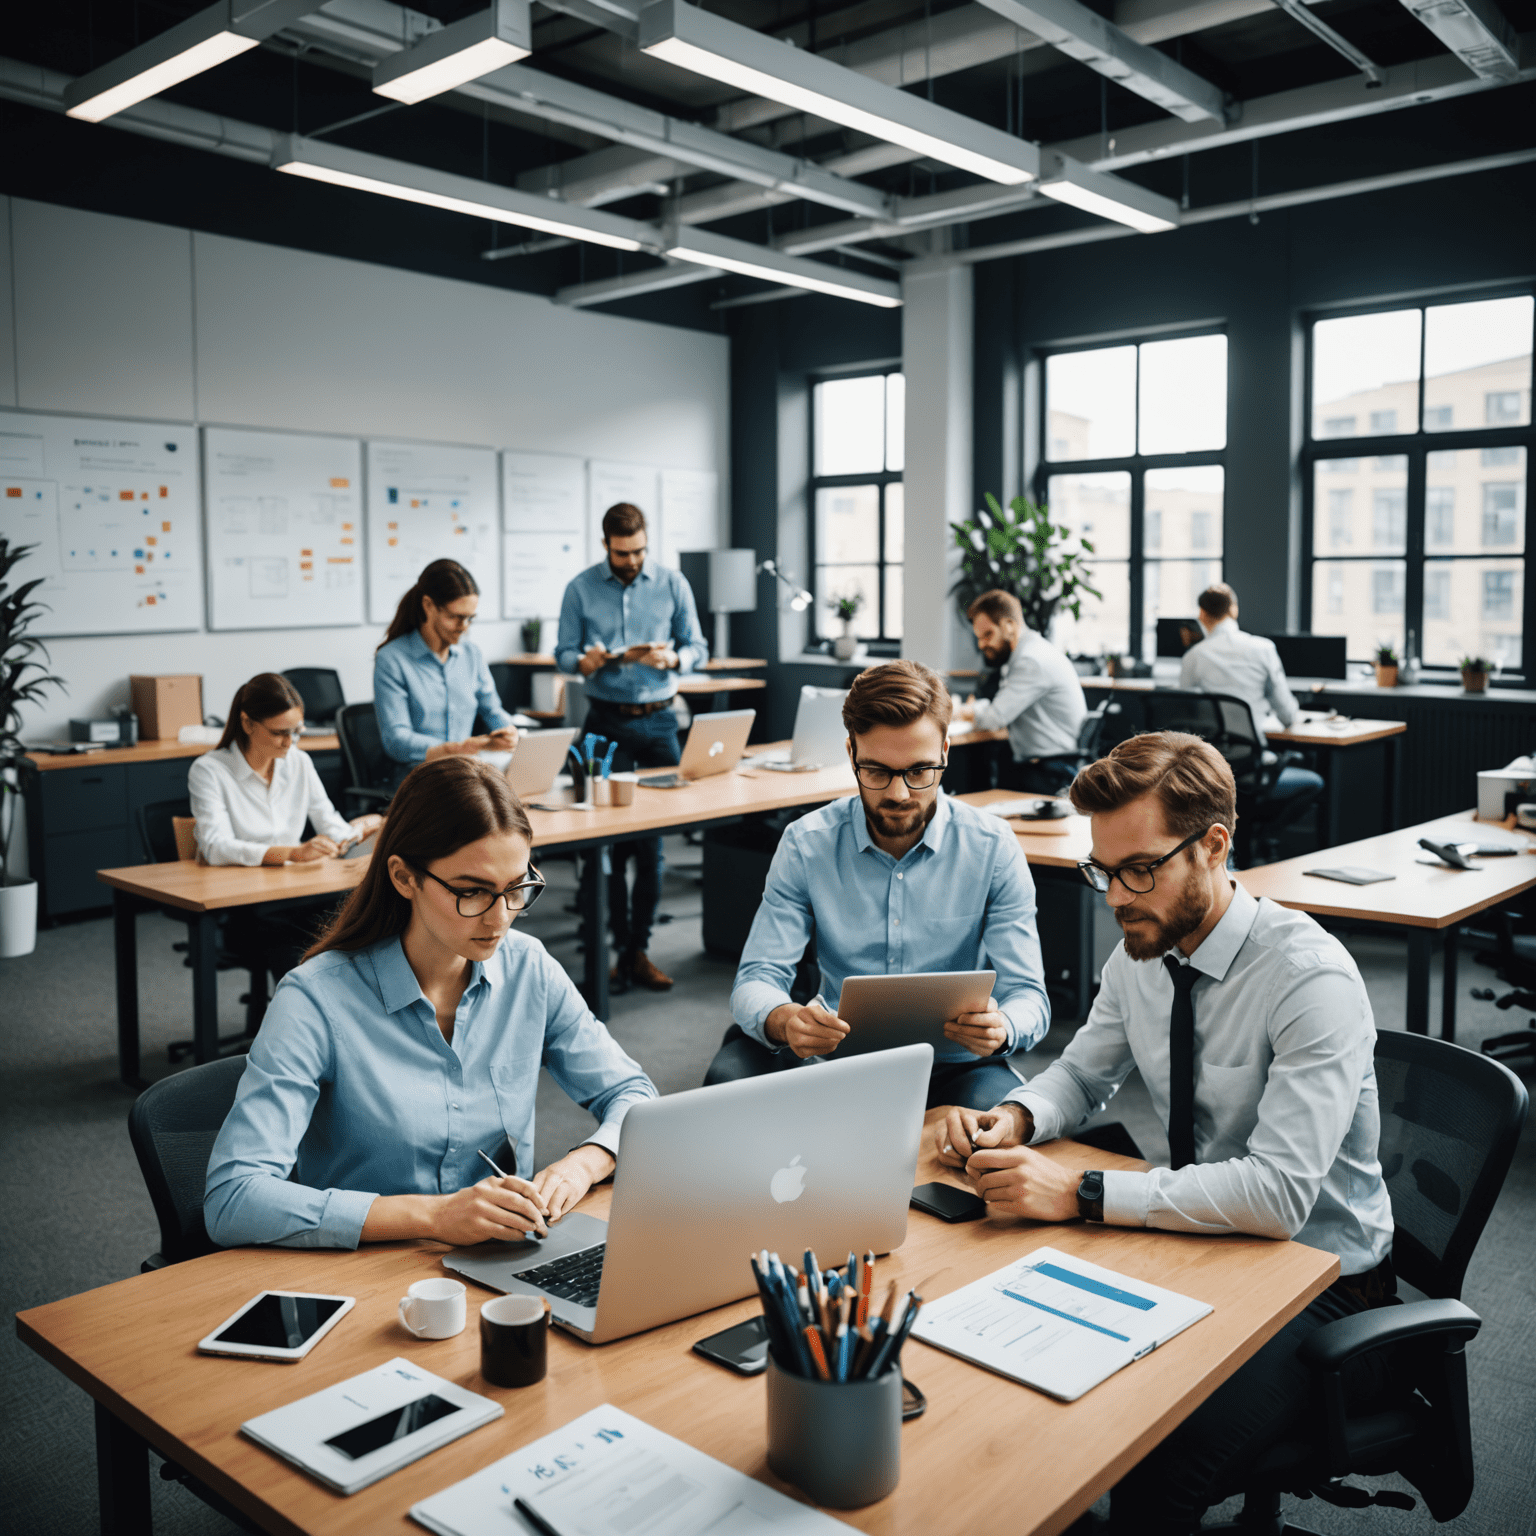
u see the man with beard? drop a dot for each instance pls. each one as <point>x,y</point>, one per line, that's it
<point>1039,701</point>
<point>1253,1033</point>
<point>898,879</point>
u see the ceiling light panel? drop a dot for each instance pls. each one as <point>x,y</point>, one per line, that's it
<point>1110,197</point>
<point>1476,31</point>
<point>718,49</point>
<point>453,56</point>
<point>705,249</point>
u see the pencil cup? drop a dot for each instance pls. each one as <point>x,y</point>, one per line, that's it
<point>622,788</point>
<point>838,1441</point>
<point>602,791</point>
<point>514,1340</point>
<point>433,1309</point>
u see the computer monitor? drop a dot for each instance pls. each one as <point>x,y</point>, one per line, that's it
<point>1312,655</point>
<point>1175,636</point>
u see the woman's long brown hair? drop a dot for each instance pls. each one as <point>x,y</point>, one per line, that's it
<point>266,696</point>
<point>441,806</point>
<point>444,581</point>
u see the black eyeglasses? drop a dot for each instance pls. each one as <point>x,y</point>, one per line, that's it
<point>518,897</point>
<point>920,776</point>
<point>1136,878</point>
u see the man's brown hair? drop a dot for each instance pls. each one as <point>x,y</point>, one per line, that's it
<point>1190,778</point>
<point>896,693</point>
<point>622,520</point>
<point>997,605</point>
<point>1218,600</point>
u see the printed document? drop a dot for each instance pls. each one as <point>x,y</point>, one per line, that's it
<point>1056,1323</point>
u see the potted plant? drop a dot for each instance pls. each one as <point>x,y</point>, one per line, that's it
<point>1474,673</point>
<point>846,608</point>
<point>533,632</point>
<point>18,686</point>
<point>1386,667</point>
<point>1019,549</point>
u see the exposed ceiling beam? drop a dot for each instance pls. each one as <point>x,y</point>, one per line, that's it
<point>1086,36</point>
<point>607,174</point>
<point>1298,12</point>
<point>630,285</point>
<point>1476,31</point>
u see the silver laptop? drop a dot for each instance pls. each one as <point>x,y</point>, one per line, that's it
<point>533,768</point>
<point>887,1011</point>
<point>820,739</point>
<point>715,744</point>
<point>821,1158</point>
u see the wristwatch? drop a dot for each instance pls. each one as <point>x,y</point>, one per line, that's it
<point>1090,1196</point>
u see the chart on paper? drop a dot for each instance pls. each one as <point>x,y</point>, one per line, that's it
<point>426,502</point>
<point>285,547</point>
<point>111,510</point>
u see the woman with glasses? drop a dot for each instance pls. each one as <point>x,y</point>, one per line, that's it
<point>405,1050</point>
<point>430,681</point>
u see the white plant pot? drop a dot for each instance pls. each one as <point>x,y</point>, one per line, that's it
<point>18,919</point>
<point>844,647</point>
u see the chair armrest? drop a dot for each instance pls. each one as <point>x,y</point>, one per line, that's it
<point>1333,1345</point>
<point>364,795</point>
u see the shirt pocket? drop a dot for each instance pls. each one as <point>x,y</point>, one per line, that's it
<point>516,1085</point>
<point>1226,1108</point>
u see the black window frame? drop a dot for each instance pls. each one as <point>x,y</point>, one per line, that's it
<point>1415,447</point>
<point>1137,464</point>
<point>884,644</point>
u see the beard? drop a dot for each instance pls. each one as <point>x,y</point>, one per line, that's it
<point>996,655</point>
<point>1161,935</point>
<point>900,818</point>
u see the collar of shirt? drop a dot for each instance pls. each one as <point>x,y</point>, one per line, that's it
<point>1226,629</point>
<point>398,986</point>
<point>644,574</point>
<point>1220,946</point>
<point>933,833</point>
<point>241,770</point>
<point>424,652</point>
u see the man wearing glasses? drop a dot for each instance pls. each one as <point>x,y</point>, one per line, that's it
<point>1254,1036</point>
<point>898,879</point>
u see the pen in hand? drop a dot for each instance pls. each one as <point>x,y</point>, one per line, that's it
<point>533,1236</point>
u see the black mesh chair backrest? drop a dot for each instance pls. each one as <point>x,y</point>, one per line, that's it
<point>1450,1122</point>
<point>368,766</point>
<point>504,676</point>
<point>320,688</point>
<point>1225,722</point>
<point>157,835</point>
<point>172,1125</point>
<point>1124,716</point>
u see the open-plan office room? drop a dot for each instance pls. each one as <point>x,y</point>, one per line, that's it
<point>633,636</point>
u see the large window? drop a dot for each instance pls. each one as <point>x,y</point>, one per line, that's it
<point>1134,448</point>
<point>1418,524</point>
<point>856,494</point>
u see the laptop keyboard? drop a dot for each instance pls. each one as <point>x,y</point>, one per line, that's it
<point>577,1277</point>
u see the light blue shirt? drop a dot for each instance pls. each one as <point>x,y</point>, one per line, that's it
<point>351,1092</point>
<point>655,608</point>
<point>421,701</point>
<point>972,909</point>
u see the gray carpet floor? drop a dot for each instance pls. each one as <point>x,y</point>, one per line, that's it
<point>74,1213</point>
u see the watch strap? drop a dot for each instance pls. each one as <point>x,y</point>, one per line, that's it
<point>1090,1196</point>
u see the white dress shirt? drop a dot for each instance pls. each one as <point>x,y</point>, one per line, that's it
<point>1245,666</point>
<point>239,815</point>
<point>1040,702</point>
<point>1286,1114</point>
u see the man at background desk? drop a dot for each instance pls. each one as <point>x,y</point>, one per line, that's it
<point>629,629</point>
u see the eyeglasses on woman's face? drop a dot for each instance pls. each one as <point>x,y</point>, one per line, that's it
<point>1139,879</point>
<point>918,776</point>
<point>477,901</point>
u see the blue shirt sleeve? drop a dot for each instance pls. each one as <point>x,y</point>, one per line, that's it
<point>1012,941</point>
<point>391,704</point>
<point>780,932</point>
<point>568,642</point>
<point>687,636</point>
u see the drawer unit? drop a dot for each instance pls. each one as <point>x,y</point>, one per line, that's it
<point>69,864</point>
<point>79,799</point>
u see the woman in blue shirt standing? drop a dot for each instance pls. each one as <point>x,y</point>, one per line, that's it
<point>410,1041</point>
<point>430,681</point>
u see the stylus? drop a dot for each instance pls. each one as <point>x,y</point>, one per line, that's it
<point>535,1519</point>
<point>534,1236</point>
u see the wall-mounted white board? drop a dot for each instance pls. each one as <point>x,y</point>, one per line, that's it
<point>112,507</point>
<point>426,502</point>
<point>543,493</point>
<point>690,511</point>
<point>538,567</point>
<point>638,484</point>
<point>285,529</point>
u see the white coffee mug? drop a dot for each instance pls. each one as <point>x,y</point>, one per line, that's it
<point>433,1309</point>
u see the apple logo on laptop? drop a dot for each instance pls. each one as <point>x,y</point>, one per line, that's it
<point>788,1183</point>
<point>716,748</point>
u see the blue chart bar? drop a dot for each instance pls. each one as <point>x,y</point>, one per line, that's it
<point>1097,1287</point>
<point>1082,1322</point>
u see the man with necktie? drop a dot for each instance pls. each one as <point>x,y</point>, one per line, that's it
<point>1254,1035</point>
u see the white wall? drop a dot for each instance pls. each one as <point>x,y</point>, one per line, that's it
<point>107,316</point>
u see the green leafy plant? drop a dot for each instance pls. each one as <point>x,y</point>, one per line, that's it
<point>22,681</point>
<point>1385,656</point>
<point>1475,664</point>
<point>847,606</point>
<point>1019,549</point>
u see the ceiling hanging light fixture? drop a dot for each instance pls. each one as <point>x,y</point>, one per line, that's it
<point>453,56</point>
<point>1110,197</point>
<point>706,249</point>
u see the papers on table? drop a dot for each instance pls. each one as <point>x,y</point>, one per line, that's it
<point>1056,1323</point>
<point>610,1474</point>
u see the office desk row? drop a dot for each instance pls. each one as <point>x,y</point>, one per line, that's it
<point>988,1453</point>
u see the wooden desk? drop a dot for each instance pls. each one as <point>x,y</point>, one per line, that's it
<point>155,752</point>
<point>714,664</point>
<point>1420,901</point>
<point>694,685</point>
<point>1361,762</point>
<point>985,1446</point>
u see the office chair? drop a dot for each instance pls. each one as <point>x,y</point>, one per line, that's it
<point>504,676</point>
<point>370,770</point>
<point>1519,971</point>
<point>1450,1123</point>
<point>158,838</point>
<point>320,689</point>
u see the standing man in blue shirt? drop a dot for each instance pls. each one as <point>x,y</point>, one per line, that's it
<point>845,874</point>
<point>630,628</point>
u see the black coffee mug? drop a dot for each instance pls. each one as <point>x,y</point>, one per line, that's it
<point>514,1340</point>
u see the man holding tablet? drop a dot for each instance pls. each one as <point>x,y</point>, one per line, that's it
<point>898,880</point>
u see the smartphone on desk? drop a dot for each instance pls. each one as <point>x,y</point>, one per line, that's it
<point>948,1203</point>
<point>743,1349</point>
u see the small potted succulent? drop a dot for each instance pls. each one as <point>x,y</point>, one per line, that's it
<point>1474,673</point>
<point>533,632</point>
<point>1114,664</point>
<point>846,608</point>
<point>1386,667</point>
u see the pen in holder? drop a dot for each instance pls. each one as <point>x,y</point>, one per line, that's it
<point>579,782</point>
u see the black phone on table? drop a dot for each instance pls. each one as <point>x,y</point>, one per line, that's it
<point>948,1203</point>
<point>743,1349</point>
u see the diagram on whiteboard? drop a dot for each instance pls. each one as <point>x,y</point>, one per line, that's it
<point>112,510</point>
<point>638,484</point>
<point>285,542</point>
<point>538,567</point>
<point>429,502</point>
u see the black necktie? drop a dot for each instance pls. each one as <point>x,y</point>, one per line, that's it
<point>1181,1064</point>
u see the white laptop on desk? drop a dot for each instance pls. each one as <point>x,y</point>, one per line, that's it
<point>533,768</point>
<point>715,744</point>
<point>817,1158</point>
<point>820,739</point>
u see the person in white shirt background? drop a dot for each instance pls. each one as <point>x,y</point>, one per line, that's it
<point>1040,701</point>
<point>251,797</point>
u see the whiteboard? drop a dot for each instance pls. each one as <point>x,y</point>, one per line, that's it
<point>543,493</point>
<point>537,568</point>
<point>635,483</point>
<point>690,512</point>
<point>112,507</point>
<point>430,502</point>
<point>284,529</point>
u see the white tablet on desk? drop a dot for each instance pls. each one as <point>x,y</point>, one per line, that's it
<point>277,1325</point>
<point>884,1011</point>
